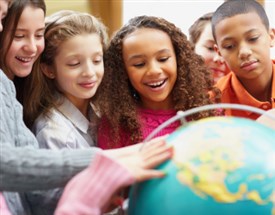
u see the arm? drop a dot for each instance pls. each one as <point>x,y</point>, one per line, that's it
<point>90,191</point>
<point>27,168</point>
<point>23,166</point>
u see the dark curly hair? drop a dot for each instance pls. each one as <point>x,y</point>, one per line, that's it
<point>116,101</point>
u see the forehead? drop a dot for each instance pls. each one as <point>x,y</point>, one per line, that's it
<point>207,32</point>
<point>238,24</point>
<point>32,16</point>
<point>148,34</point>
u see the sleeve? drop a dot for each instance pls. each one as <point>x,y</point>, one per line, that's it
<point>90,191</point>
<point>27,168</point>
<point>23,166</point>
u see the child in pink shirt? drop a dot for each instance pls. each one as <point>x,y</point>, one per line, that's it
<point>151,72</point>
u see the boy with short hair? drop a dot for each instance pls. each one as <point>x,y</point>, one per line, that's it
<point>243,38</point>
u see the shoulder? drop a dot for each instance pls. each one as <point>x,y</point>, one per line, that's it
<point>53,130</point>
<point>7,86</point>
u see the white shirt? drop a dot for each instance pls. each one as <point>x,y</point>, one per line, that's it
<point>64,127</point>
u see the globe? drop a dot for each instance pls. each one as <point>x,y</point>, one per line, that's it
<point>221,165</point>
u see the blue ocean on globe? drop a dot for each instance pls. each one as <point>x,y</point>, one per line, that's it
<point>221,166</point>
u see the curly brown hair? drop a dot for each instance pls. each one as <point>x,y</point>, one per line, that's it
<point>116,101</point>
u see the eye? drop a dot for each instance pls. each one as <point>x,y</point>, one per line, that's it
<point>98,60</point>
<point>39,35</point>
<point>18,36</point>
<point>228,47</point>
<point>73,64</point>
<point>253,39</point>
<point>163,59</point>
<point>210,48</point>
<point>139,65</point>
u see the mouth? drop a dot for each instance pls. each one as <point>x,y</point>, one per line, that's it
<point>156,84</point>
<point>88,84</point>
<point>248,64</point>
<point>24,59</point>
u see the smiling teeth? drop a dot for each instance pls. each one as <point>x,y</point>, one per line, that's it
<point>25,59</point>
<point>156,84</point>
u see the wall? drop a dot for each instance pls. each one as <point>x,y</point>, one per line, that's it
<point>182,12</point>
<point>78,5</point>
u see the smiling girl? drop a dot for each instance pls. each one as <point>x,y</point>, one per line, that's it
<point>19,54</point>
<point>151,72</point>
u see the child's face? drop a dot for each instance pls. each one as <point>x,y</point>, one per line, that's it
<point>79,67</point>
<point>205,48</point>
<point>244,43</point>
<point>28,42</point>
<point>151,65</point>
<point>3,11</point>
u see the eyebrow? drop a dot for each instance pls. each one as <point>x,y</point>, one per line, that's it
<point>245,33</point>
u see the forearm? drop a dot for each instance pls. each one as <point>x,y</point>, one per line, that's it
<point>27,168</point>
<point>90,191</point>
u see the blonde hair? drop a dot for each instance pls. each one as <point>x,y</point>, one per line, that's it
<point>39,90</point>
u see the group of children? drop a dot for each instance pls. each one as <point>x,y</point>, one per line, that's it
<point>81,91</point>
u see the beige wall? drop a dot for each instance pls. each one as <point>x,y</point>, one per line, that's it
<point>109,11</point>
<point>78,5</point>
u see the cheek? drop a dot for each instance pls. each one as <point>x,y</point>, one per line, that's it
<point>100,75</point>
<point>40,47</point>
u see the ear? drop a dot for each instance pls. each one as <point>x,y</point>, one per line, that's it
<point>47,71</point>
<point>272,36</point>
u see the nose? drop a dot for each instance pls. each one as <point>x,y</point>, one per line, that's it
<point>154,68</point>
<point>89,69</point>
<point>244,51</point>
<point>1,26</point>
<point>31,45</point>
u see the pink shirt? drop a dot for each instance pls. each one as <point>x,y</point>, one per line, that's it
<point>89,191</point>
<point>149,120</point>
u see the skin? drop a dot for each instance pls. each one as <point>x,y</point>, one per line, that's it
<point>205,48</point>
<point>78,69</point>
<point>3,11</point>
<point>151,65</point>
<point>28,42</point>
<point>244,43</point>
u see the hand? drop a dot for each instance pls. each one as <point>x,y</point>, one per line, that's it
<point>140,163</point>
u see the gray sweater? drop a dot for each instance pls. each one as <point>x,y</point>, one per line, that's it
<point>24,167</point>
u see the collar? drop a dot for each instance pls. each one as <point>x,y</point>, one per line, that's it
<point>247,99</point>
<point>74,115</point>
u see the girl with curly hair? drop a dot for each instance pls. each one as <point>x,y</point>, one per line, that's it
<point>151,72</point>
